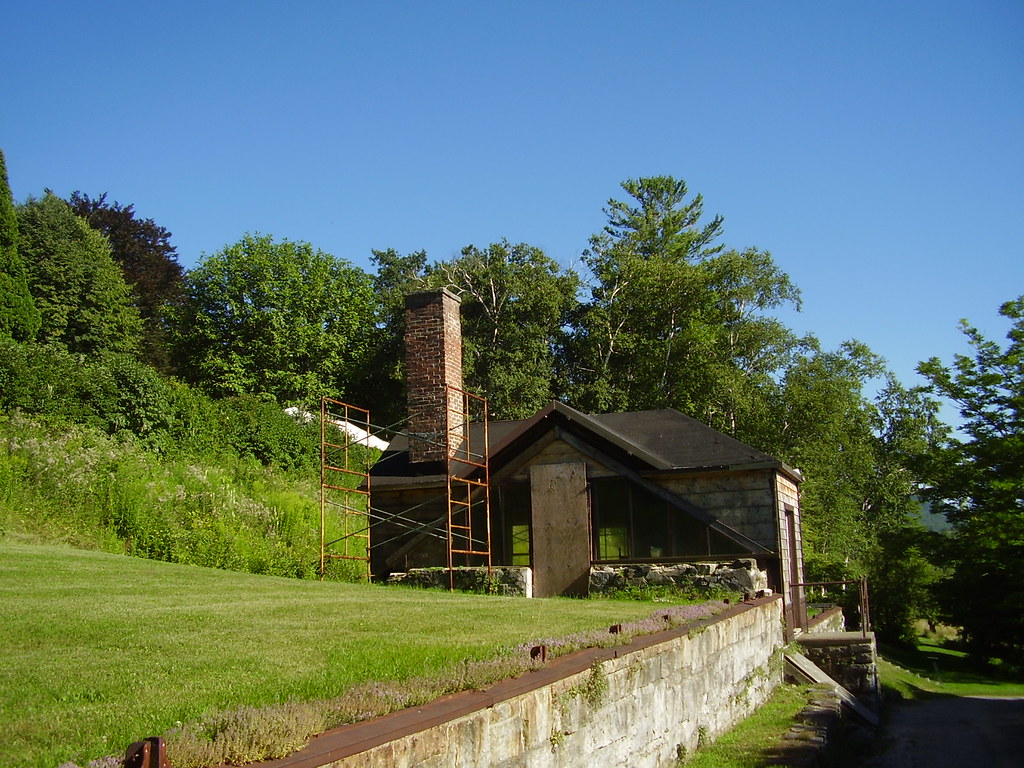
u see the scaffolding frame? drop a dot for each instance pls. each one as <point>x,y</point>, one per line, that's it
<point>345,486</point>
<point>344,483</point>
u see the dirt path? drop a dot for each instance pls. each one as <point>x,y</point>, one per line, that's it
<point>954,731</point>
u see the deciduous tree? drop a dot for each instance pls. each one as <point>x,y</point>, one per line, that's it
<point>977,480</point>
<point>516,301</point>
<point>381,388</point>
<point>824,427</point>
<point>278,319</point>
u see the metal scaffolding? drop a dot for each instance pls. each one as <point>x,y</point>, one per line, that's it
<point>346,510</point>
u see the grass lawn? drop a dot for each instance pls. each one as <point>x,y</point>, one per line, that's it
<point>932,669</point>
<point>748,744</point>
<point>100,650</point>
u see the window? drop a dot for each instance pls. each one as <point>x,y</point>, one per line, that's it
<point>610,510</point>
<point>631,522</point>
<point>514,501</point>
<point>612,543</point>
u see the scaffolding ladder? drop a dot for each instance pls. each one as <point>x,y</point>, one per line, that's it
<point>468,484</point>
<point>344,484</point>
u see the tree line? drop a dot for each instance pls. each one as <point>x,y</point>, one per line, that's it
<point>661,313</point>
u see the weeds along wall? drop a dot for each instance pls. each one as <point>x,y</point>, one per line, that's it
<point>646,705</point>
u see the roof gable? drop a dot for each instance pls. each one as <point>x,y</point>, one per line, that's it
<point>658,439</point>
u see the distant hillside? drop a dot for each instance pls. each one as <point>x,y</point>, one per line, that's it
<point>933,521</point>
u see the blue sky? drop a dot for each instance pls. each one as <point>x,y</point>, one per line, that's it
<point>876,149</point>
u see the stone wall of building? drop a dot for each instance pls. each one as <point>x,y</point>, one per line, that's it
<point>744,501</point>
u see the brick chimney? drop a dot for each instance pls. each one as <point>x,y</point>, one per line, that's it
<point>433,359</point>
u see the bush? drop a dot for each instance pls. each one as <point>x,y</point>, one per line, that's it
<point>113,393</point>
<point>260,429</point>
<point>121,396</point>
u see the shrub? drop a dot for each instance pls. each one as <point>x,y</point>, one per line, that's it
<point>260,429</point>
<point>119,395</point>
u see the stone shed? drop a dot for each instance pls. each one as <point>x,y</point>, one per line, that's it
<point>573,493</point>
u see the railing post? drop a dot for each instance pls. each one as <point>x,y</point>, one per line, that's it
<point>148,753</point>
<point>865,608</point>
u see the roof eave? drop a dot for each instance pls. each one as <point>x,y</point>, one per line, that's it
<point>794,473</point>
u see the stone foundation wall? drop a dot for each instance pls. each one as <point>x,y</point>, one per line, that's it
<point>514,581</point>
<point>734,576</point>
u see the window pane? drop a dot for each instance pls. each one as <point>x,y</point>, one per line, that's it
<point>515,525</point>
<point>520,545</point>
<point>650,525</point>
<point>690,537</point>
<point>609,498</point>
<point>612,543</point>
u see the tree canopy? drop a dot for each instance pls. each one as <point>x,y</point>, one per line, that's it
<point>278,319</point>
<point>516,301</point>
<point>381,388</point>
<point>674,319</point>
<point>977,480</point>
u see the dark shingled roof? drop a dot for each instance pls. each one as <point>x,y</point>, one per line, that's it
<point>678,441</point>
<point>662,439</point>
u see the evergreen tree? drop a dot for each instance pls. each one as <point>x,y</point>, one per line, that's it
<point>19,318</point>
<point>148,262</point>
<point>81,295</point>
<point>674,319</point>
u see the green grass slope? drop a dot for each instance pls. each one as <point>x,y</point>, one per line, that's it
<point>100,650</point>
<point>69,484</point>
<point>933,669</point>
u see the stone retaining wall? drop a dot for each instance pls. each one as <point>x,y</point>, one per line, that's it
<point>645,705</point>
<point>503,580</point>
<point>830,620</point>
<point>849,658</point>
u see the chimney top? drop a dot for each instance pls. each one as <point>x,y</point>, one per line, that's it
<point>420,299</point>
